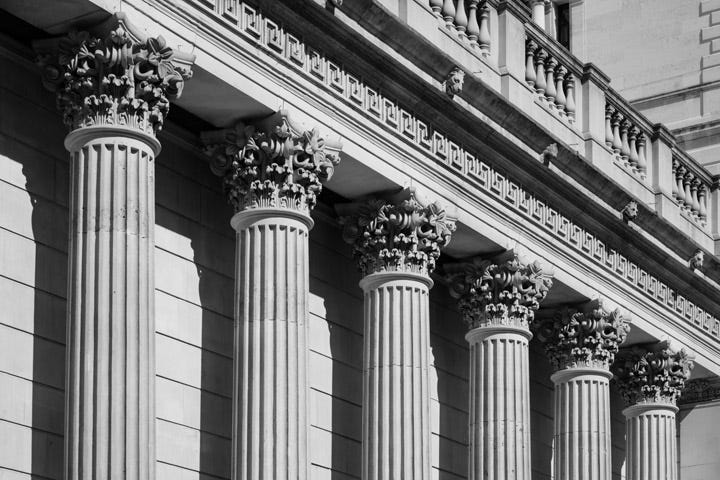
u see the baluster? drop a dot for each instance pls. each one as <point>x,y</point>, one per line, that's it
<point>675,166</point>
<point>550,91</point>
<point>687,179</point>
<point>624,147</point>
<point>632,144</point>
<point>680,175</point>
<point>530,47</point>
<point>641,159</point>
<point>560,99</point>
<point>484,35</point>
<point>436,6</point>
<point>702,199</point>
<point>540,84</point>
<point>609,112</point>
<point>461,19</point>
<point>570,89</point>
<point>448,12</point>
<point>473,30</point>
<point>694,204</point>
<point>616,143</point>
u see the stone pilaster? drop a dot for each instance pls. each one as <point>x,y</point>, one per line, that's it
<point>650,379</point>
<point>113,88</point>
<point>581,346</point>
<point>272,173</point>
<point>498,299</point>
<point>397,241</point>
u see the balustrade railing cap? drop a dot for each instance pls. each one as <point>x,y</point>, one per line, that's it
<point>592,72</point>
<point>661,131</point>
<point>516,7</point>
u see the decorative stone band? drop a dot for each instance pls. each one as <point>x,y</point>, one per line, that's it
<point>651,373</point>
<point>701,390</point>
<point>587,338</point>
<point>276,163</point>
<point>113,76</point>
<point>505,290</point>
<point>397,232</point>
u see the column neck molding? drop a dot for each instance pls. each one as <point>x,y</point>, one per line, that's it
<point>574,373</point>
<point>373,280</point>
<point>651,373</point>
<point>589,337</point>
<point>478,334</point>
<point>398,232</point>
<point>505,290</point>
<point>112,75</point>
<point>274,163</point>
<point>270,216</point>
<point>644,408</point>
<point>76,139</point>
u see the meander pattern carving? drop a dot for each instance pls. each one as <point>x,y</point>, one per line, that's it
<point>588,338</point>
<point>113,80</point>
<point>652,373</point>
<point>501,291</point>
<point>396,234</point>
<point>283,166</point>
<point>308,61</point>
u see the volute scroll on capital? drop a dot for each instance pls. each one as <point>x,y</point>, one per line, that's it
<point>398,232</point>
<point>275,163</point>
<point>113,76</point>
<point>651,373</point>
<point>505,290</point>
<point>588,337</point>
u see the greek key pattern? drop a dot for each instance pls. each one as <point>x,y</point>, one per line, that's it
<point>272,37</point>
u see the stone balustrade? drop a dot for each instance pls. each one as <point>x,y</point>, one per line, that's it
<point>690,187</point>
<point>625,135</point>
<point>551,73</point>
<point>470,19</point>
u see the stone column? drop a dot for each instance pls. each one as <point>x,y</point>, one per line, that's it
<point>581,346</point>
<point>396,243</point>
<point>113,88</point>
<point>272,173</point>
<point>498,299</point>
<point>650,379</point>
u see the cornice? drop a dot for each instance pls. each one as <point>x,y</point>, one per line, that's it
<point>574,227</point>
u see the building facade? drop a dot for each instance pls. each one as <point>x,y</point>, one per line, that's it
<point>376,239</point>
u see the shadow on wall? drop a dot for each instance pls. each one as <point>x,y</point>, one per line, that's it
<point>617,430</point>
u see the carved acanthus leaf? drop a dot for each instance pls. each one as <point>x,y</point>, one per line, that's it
<point>113,78</point>
<point>587,338</point>
<point>505,290</point>
<point>396,233</point>
<point>276,163</point>
<point>651,373</point>
<point>701,390</point>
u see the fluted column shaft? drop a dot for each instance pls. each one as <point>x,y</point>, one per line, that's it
<point>499,416</point>
<point>270,406</point>
<point>582,437</point>
<point>109,430</point>
<point>396,397</point>
<point>651,443</point>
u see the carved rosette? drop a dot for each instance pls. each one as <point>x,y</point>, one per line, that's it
<point>275,164</point>
<point>588,338</point>
<point>501,291</point>
<point>113,78</point>
<point>399,233</point>
<point>653,373</point>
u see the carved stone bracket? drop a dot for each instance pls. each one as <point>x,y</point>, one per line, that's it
<point>113,76</point>
<point>505,290</point>
<point>274,163</point>
<point>396,233</point>
<point>587,338</point>
<point>651,373</point>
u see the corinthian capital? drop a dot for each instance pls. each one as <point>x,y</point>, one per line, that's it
<point>505,290</point>
<point>587,338</point>
<point>396,233</point>
<point>113,76</point>
<point>651,373</point>
<point>273,163</point>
